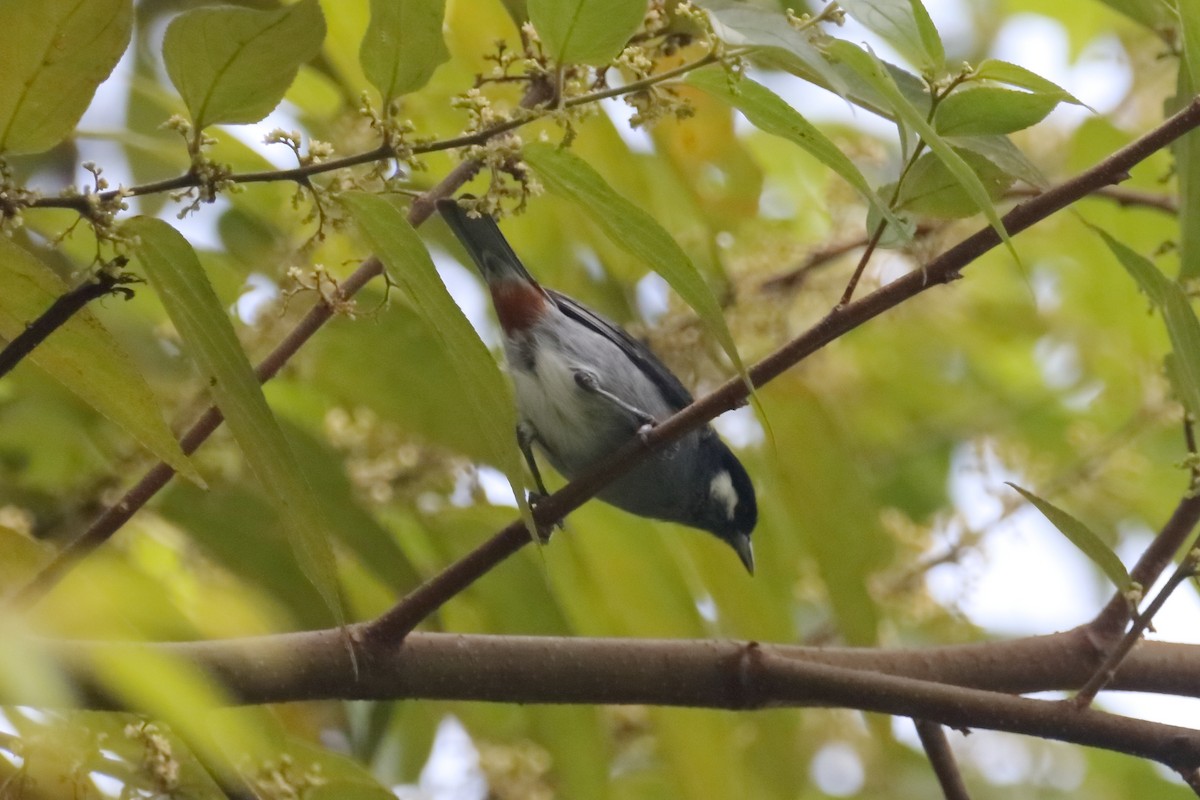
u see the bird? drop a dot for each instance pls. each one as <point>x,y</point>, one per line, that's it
<point>584,386</point>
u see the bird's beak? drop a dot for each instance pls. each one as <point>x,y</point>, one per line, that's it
<point>741,545</point>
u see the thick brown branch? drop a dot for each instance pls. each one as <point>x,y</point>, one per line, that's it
<point>961,686</point>
<point>945,268</point>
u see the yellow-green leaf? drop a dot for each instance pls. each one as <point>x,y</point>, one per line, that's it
<point>54,55</point>
<point>175,272</point>
<point>170,689</point>
<point>488,407</point>
<point>403,45</point>
<point>84,357</point>
<point>233,65</point>
<point>586,31</point>
<point>569,176</point>
<point>768,112</point>
<point>1082,537</point>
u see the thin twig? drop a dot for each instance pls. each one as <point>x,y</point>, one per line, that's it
<point>301,174</point>
<point>941,758</point>
<point>429,596</point>
<point>61,310</point>
<point>1105,672</point>
<point>795,277</point>
<point>1118,194</point>
<point>1111,620</point>
<point>863,260</point>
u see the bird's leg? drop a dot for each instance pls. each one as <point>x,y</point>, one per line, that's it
<point>526,436</point>
<point>590,383</point>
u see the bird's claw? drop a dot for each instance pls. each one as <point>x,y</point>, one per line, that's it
<point>643,433</point>
<point>543,531</point>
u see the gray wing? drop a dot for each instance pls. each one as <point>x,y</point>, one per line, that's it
<point>676,395</point>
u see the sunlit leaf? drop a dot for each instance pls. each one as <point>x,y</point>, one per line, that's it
<point>771,114</point>
<point>233,65</point>
<point>906,25</point>
<point>1082,537</point>
<point>84,357</point>
<point>585,31</point>
<point>55,54</point>
<point>571,177</point>
<point>207,332</point>
<point>403,45</point>
<point>488,407</point>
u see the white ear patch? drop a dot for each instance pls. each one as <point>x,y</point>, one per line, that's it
<point>721,489</point>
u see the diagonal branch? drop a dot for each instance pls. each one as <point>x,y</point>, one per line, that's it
<point>429,596</point>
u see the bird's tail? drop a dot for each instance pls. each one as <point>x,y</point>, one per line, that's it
<point>486,244</point>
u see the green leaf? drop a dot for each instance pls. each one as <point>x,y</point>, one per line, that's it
<point>1082,537</point>
<point>1014,75</point>
<point>1186,150</point>
<point>55,54</point>
<point>1000,150</point>
<point>174,690</point>
<point>1189,29</point>
<point>488,407</point>
<point>984,110</point>
<point>906,25</point>
<point>233,65</point>
<point>403,45</point>
<point>84,357</point>
<point>744,25</point>
<point>208,335</point>
<point>1182,326</point>
<point>768,112</point>
<point>930,188</point>
<point>628,226</point>
<point>586,31</point>
<point>874,72</point>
